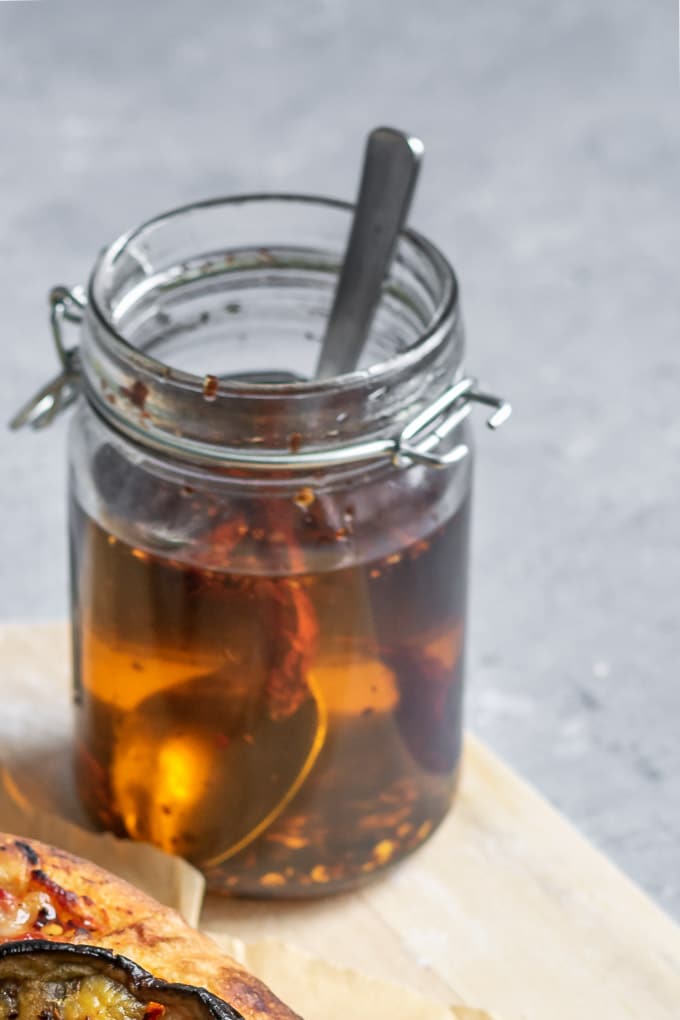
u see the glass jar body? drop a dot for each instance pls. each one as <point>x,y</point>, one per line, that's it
<point>269,569</point>
<point>268,668</point>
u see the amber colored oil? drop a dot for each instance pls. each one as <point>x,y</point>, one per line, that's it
<point>290,734</point>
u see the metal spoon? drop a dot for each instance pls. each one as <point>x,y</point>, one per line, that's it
<point>390,170</point>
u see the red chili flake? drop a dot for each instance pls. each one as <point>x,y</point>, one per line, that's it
<point>295,442</point>
<point>210,384</point>
<point>136,394</point>
<point>153,1011</point>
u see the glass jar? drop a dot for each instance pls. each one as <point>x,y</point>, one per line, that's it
<point>268,571</point>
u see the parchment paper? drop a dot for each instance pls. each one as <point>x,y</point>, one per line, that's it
<point>320,991</point>
<point>169,879</point>
<point>315,989</point>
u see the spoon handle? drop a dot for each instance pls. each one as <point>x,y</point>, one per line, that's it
<point>390,170</point>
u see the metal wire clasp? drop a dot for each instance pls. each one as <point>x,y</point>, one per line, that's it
<point>433,424</point>
<point>416,443</point>
<point>66,305</point>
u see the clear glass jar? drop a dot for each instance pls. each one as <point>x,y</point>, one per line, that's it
<point>269,575</point>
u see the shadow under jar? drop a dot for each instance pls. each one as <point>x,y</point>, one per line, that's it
<point>269,592</point>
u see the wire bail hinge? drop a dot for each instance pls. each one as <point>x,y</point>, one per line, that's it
<point>429,428</point>
<point>66,305</point>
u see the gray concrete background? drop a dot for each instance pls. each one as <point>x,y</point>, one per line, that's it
<point>552,180</point>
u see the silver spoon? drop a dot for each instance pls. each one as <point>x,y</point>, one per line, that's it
<point>391,163</point>
<point>390,170</point>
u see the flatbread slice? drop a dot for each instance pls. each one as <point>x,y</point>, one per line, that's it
<point>48,894</point>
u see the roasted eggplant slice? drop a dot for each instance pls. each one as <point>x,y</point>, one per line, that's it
<point>41,980</point>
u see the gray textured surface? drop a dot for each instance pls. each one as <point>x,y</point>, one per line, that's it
<point>553,181</point>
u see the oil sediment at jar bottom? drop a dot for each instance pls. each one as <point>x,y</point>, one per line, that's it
<point>292,735</point>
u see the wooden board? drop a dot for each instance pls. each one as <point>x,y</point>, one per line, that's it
<point>507,907</point>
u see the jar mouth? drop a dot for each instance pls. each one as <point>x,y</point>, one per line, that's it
<point>381,372</point>
<point>190,314</point>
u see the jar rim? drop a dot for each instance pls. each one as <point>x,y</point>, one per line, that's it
<point>381,372</point>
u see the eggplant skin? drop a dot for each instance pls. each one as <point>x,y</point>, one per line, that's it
<point>39,959</point>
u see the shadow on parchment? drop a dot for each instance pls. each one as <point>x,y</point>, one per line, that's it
<point>44,780</point>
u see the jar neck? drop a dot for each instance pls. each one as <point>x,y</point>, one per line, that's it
<point>156,306</point>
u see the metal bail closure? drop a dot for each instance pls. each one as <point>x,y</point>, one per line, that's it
<point>416,443</point>
<point>66,305</point>
<point>427,430</point>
